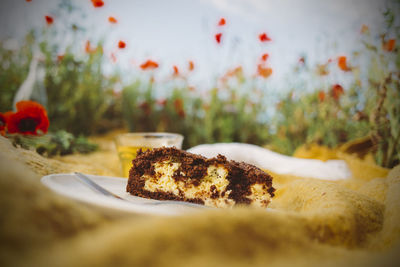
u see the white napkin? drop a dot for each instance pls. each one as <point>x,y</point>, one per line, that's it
<point>275,162</point>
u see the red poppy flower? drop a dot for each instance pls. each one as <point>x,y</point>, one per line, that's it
<point>97,3</point>
<point>342,63</point>
<point>264,71</point>
<point>121,44</point>
<point>176,70</point>
<point>30,118</point>
<point>222,22</point>
<point>49,20</point>
<point>149,64</point>
<point>60,58</point>
<point>28,0</point>
<point>3,122</point>
<point>264,57</point>
<point>389,45</point>
<point>321,96</point>
<point>337,91</point>
<point>302,60</point>
<point>112,20</point>
<point>264,37</point>
<point>218,37</point>
<point>191,65</point>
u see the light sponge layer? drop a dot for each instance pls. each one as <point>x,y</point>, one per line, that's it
<point>211,185</point>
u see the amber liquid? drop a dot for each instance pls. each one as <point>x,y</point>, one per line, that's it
<point>126,154</point>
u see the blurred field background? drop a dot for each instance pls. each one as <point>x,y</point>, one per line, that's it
<point>90,88</point>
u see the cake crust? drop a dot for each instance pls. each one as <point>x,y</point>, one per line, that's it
<point>191,172</point>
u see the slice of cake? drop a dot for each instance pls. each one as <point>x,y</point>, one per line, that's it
<point>173,174</point>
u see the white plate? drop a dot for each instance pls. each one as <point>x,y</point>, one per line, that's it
<point>71,186</point>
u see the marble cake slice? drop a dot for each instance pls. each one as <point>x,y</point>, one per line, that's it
<point>168,173</point>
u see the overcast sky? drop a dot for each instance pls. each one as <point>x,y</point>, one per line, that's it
<point>175,31</point>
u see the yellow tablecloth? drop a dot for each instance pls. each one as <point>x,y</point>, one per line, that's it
<point>355,222</point>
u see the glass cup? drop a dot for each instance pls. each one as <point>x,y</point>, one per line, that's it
<point>129,143</point>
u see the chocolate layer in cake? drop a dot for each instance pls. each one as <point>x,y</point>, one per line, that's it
<point>173,174</point>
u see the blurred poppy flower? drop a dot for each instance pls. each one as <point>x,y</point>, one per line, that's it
<point>49,20</point>
<point>112,20</point>
<point>181,113</point>
<point>389,45</point>
<point>364,29</point>
<point>162,102</point>
<point>279,105</point>
<point>322,69</point>
<point>218,37</point>
<point>121,44</point>
<point>149,64</point>
<point>176,70</point>
<point>30,118</point>
<point>60,58</point>
<point>191,65</point>
<point>88,48</point>
<point>178,104</point>
<point>28,0</point>
<point>337,91</point>
<point>302,60</point>
<point>97,3</point>
<point>321,96</point>
<point>264,57</point>
<point>264,71</point>
<point>264,37</point>
<point>113,57</point>
<point>342,63</point>
<point>222,22</point>
<point>145,107</point>
<point>234,72</point>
